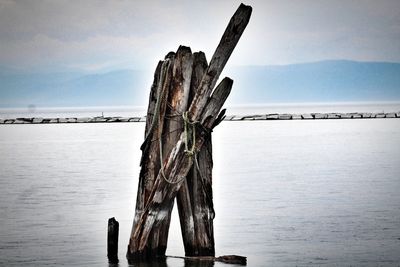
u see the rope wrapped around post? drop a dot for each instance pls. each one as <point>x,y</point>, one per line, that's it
<point>189,152</point>
<point>188,126</point>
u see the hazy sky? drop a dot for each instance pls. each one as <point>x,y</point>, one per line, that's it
<point>98,35</point>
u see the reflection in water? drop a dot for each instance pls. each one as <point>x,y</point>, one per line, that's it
<point>198,263</point>
<point>155,263</point>
<point>172,263</point>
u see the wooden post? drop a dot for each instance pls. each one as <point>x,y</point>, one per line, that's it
<point>168,97</point>
<point>150,161</point>
<point>228,42</point>
<point>177,102</point>
<point>162,176</point>
<point>112,240</point>
<point>194,199</point>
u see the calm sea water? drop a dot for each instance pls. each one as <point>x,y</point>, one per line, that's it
<point>287,193</point>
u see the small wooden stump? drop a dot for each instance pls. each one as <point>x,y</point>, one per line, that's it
<point>232,259</point>
<point>112,240</point>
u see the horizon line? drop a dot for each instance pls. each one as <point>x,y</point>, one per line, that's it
<point>244,105</point>
<point>64,69</point>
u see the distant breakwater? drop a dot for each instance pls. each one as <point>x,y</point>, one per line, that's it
<point>275,116</point>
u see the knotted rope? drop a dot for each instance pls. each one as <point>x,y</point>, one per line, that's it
<point>188,126</point>
<point>187,123</point>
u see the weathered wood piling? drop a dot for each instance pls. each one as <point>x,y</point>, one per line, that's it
<point>176,159</point>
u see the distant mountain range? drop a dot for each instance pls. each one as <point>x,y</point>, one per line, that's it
<point>69,89</point>
<point>325,81</point>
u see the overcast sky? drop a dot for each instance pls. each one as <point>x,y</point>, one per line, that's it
<point>99,35</point>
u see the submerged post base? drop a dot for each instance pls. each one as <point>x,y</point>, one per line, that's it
<point>156,254</point>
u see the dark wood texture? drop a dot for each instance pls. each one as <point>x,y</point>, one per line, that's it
<point>112,240</point>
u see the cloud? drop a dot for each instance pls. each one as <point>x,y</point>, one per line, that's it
<point>285,32</point>
<point>89,34</point>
